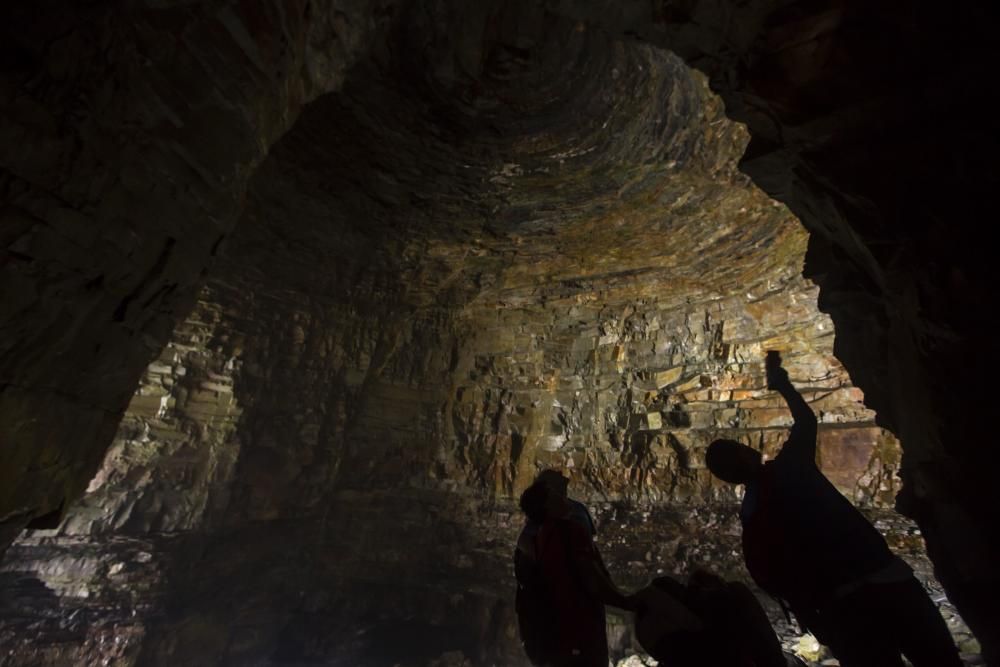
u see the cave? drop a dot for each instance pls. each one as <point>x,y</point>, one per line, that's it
<point>298,296</point>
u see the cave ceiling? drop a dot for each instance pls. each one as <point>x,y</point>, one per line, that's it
<point>533,175</point>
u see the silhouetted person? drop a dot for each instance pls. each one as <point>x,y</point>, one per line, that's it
<point>563,585</point>
<point>707,623</point>
<point>559,483</point>
<point>807,545</point>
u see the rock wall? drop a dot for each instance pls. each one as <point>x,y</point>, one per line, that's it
<point>860,124</point>
<point>132,129</point>
<point>324,461</point>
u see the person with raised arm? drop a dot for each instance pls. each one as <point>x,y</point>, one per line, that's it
<point>805,544</point>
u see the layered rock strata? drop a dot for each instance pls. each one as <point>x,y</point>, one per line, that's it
<point>409,322</point>
<point>131,133</point>
<point>862,128</point>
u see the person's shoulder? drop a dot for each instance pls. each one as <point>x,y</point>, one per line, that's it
<point>560,525</point>
<point>566,529</point>
<point>794,452</point>
<point>581,513</point>
<point>578,508</point>
<point>779,471</point>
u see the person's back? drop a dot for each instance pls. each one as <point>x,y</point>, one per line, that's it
<point>732,629</point>
<point>562,546</point>
<point>801,535</point>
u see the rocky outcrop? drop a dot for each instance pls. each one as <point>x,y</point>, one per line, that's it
<point>131,135</point>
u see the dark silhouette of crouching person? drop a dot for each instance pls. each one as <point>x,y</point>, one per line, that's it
<point>707,623</point>
<point>563,586</point>
<point>807,545</point>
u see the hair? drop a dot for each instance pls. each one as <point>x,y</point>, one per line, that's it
<point>724,458</point>
<point>549,473</point>
<point>553,479</point>
<point>720,452</point>
<point>533,502</point>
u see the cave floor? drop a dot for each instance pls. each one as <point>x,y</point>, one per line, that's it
<point>59,594</point>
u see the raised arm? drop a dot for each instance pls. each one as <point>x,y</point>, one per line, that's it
<point>802,439</point>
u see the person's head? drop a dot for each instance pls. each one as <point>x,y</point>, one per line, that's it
<point>534,502</point>
<point>540,501</point>
<point>554,480</point>
<point>733,461</point>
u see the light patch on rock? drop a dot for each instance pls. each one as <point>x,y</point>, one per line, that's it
<point>809,648</point>
<point>552,443</point>
<point>669,376</point>
<point>637,661</point>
